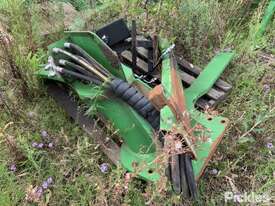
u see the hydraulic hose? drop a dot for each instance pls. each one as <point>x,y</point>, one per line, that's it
<point>80,69</point>
<point>86,56</point>
<point>62,70</point>
<point>91,68</point>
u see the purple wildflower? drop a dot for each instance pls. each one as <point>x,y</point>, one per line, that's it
<point>40,145</point>
<point>13,167</point>
<point>213,172</point>
<point>50,145</point>
<point>104,167</point>
<point>49,180</point>
<point>39,192</point>
<point>269,145</point>
<point>44,134</point>
<point>237,198</point>
<point>45,185</point>
<point>34,144</point>
<point>266,89</point>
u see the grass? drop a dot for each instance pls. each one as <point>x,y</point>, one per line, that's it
<point>243,161</point>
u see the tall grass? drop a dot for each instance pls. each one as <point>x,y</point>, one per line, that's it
<point>19,52</point>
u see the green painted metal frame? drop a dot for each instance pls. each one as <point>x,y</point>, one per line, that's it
<point>138,147</point>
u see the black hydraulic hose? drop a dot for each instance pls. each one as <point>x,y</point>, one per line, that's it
<point>79,76</point>
<point>68,64</point>
<point>82,58</point>
<point>83,63</point>
<point>86,56</point>
<point>190,177</point>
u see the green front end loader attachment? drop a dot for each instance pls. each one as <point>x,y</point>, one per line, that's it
<point>141,135</point>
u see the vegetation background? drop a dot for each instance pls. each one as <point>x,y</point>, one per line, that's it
<point>244,161</point>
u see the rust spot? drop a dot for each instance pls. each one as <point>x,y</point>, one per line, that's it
<point>156,97</point>
<point>178,99</point>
